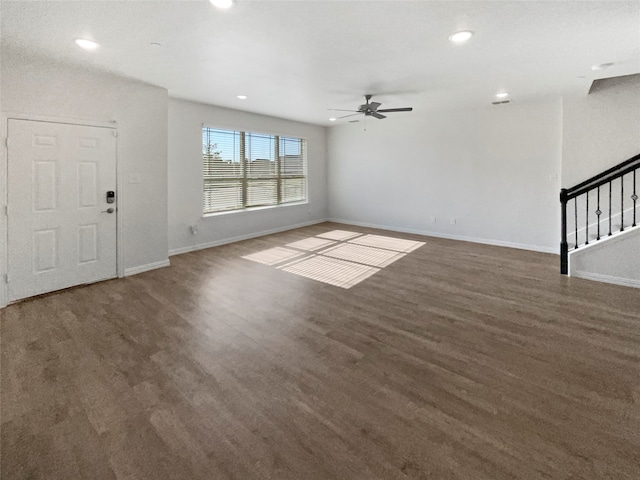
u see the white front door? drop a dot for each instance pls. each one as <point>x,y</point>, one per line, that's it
<point>60,231</point>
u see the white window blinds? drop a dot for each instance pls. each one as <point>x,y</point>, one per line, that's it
<point>243,170</point>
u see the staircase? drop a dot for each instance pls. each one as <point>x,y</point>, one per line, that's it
<point>600,208</point>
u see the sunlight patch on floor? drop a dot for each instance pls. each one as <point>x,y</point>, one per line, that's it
<point>273,256</point>
<point>311,243</point>
<point>339,235</point>
<point>341,258</point>
<point>375,257</point>
<point>389,243</point>
<point>331,270</point>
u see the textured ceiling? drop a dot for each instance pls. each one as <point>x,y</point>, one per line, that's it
<point>296,59</point>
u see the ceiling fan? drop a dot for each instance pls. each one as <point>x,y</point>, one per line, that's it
<point>370,109</point>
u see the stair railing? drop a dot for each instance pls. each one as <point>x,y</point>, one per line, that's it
<point>603,191</point>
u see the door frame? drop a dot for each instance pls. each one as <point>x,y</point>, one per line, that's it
<point>4,179</point>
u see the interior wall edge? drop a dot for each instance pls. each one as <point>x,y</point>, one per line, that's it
<point>4,292</point>
<point>3,295</point>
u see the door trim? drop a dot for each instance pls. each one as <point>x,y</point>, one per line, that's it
<point>4,169</point>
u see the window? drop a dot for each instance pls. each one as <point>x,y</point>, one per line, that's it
<point>243,170</point>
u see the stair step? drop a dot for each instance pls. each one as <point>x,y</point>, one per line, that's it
<point>604,233</point>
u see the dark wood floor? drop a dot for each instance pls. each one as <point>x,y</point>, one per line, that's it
<point>459,361</point>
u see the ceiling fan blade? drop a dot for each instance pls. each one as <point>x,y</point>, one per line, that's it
<point>345,116</point>
<point>374,105</point>
<point>406,109</point>
<point>377,115</point>
<point>340,110</point>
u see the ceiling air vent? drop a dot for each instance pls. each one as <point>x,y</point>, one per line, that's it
<point>500,102</point>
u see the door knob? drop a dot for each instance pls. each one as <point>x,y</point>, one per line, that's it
<point>109,210</point>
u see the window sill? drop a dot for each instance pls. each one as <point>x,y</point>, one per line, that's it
<point>253,209</point>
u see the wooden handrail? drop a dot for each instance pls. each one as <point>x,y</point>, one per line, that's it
<point>582,186</point>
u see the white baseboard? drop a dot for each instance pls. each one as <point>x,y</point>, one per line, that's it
<point>426,233</point>
<point>145,268</point>
<point>598,277</point>
<point>224,241</point>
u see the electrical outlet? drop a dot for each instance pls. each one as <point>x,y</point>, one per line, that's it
<point>453,221</point>
<point>193,229</point>
<point>434,220</point>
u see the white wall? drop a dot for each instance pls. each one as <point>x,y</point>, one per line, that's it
<point>614,260</point>
<point>600,130</point>
<point>494,170</point>
<point>35,86</point>
<point>185,177</point>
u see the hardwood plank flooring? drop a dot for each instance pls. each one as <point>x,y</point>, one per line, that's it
<point>458,361</point>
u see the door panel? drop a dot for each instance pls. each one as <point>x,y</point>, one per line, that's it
<point>87,184</point>
<point>44,186</point>
<point>45,250</point>
<point>87,243</point>
<point>60,234</point>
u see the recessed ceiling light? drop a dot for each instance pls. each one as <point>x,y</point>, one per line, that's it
<point>502,95</point>
<point>332,119</point>
<point>242,97</point>
<point>461,37</point>
<point>86,44</point>
<point>222,3</point>
<point>602,66</point>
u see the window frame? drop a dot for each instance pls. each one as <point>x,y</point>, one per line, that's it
<point>245,179</point>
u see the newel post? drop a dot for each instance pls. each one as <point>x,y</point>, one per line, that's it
<point>564,246</point>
